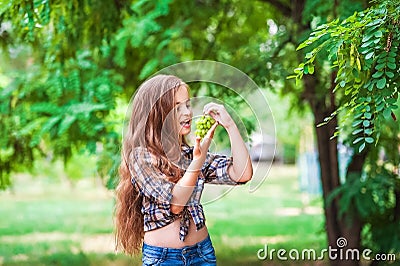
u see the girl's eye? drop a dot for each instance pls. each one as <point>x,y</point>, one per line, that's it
<point>187,105</point>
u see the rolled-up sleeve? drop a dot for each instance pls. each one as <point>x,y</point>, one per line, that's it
<point>148,177</point>
<point>215,169</point>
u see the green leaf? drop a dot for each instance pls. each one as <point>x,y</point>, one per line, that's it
<point>387,113</point>
<point>347,91</point>
<point>306,43</point>
<point>391,100</point>
<point>391,65</point>
<point>311,69</point>
<point>305,69</point>
<point>148,68</point>
<point>309,55</point>
<point>377,74</point>
<point>358,115</point>
<point>366,123</point>
<point>380,106</point>
<point>368,131</point>
<point>366,44</point>
<point>378,34</point>
<point>362,147</point>
<point>366,38</point>
<point>356,123</point>
<point>369,55</point>
<point>381,59</point>
<point>47,108</point>
<point>368,115</point>
<point>46,127</point>
<point>391,59</point>
<point>298,69</point>
<point>378,98</point>
<point>31,126</point>
<point>381,83</point>
<point>380,66</point>
<point>374,23</point>
<point>389,74</point>
<point>368,63</point>
<point>342,83</point>
<point>369,85</point>
<point>66,123</point>
<point>355,132</point>
<point>358,140</point>
<point>369,140</point>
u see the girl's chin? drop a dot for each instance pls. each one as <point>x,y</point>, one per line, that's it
<point>184,131</point>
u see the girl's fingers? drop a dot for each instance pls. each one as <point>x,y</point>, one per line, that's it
<point>211,108</point>
<point>214,113</point>
<point>196,149</point>
<point>219,113</point>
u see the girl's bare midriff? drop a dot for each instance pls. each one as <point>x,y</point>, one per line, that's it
<point>168,236</point>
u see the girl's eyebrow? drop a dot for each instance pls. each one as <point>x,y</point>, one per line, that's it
<point>177,103</point>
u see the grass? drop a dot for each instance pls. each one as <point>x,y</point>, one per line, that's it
<point>47,222</point>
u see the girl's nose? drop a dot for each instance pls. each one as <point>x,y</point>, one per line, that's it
<point>187,110</point>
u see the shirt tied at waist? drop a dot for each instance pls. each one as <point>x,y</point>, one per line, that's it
<point>184,224</point>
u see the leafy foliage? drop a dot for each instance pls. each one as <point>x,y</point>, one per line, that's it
<point>63,87</point>
<point>364,49</point>
<point>55,112</point>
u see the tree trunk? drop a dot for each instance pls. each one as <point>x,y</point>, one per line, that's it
<point>397,207</point>
<point>351,224</point>
<point>336,227</point>
<point>322,106</point>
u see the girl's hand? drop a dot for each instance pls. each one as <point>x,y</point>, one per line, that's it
<point>201,146</point>
<point>219,113</point>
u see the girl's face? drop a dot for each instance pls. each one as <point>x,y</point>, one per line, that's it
<point>183,110</point>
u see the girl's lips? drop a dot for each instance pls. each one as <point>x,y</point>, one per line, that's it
<point>186,124</point>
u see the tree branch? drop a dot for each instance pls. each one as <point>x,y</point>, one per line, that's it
<point>279,5</point>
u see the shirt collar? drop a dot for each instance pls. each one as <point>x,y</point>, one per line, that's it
<point>186,149</point>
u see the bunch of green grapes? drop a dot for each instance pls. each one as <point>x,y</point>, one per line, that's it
<point>203,124</point>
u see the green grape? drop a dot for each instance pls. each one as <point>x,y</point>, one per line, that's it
<point>203,124</point>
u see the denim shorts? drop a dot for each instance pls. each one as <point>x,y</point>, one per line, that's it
<point>201,253</point>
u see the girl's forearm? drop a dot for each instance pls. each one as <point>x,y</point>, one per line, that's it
<point>241,169</point>
<point>184,187</point>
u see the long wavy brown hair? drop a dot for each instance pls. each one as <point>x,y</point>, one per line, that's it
<point>153,125</point>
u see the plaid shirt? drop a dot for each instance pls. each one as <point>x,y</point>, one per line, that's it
<point>157,190</point>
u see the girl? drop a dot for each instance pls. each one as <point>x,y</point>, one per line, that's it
<point>158,205</point>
